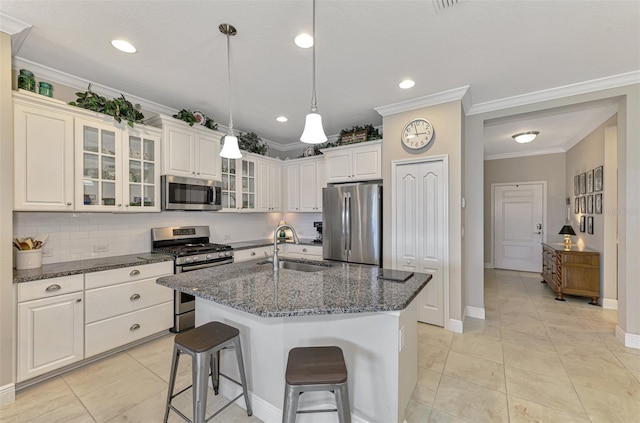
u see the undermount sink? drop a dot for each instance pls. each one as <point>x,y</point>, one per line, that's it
<point>300,267</point>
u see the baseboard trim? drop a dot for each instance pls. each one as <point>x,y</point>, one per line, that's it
<point>7,393</point>
<point>454,325</point>
<point>266,411</point>
<point>609,304</point>
<point>488,266</point>
<point>475,312</point>
<point>629,340</point>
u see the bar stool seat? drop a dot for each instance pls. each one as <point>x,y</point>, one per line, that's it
<point>204,344</point>
<point>316,369</point>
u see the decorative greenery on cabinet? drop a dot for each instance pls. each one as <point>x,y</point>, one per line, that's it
<point>252,143</point>
<point>120,108</point>
<point>192,117</point>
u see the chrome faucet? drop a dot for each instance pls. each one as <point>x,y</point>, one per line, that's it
<point>275,242</point>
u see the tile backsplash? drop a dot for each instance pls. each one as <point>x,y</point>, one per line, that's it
<point>78,236</point>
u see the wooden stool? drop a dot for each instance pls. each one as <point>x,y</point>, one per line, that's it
<point>203,344</point>
<point>316,369</point>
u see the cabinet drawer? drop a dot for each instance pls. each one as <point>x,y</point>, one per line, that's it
<point>128,274</point>
<point>113,300</point>
<point>251,253</point>
<point>304,249</point>
<point>117,331</point>
<point>49,287</point>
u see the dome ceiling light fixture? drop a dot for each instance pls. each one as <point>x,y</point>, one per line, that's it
<point>406,84</point>
<point>525,137</point>
<point>124,46</point>
<point>282,119</point>
<point>313,132</point>
<point>230,149</point>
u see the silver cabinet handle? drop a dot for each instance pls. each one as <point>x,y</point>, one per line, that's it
<point>134,272</point>
<point>68,204</point>
<point>537,233</point>
<point>135,326</point>
<point>253,253</point>
<point>53,288</point>
<point>79,300</point>
<point>134,297</point>
<point>408,262</point>
<point>119,205</point>
<point>304,250</point>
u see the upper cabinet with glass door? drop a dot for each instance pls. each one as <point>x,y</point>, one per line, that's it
<point>99,164</point>
<point>142,189</point>
<point>239,184</point>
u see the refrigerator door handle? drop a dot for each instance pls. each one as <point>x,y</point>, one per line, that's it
<point>349,222</point>
<point>344,222</point>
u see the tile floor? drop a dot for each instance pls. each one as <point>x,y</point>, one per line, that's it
<point>532,360</point>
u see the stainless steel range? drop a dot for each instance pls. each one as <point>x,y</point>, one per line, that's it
<point>191,249</point>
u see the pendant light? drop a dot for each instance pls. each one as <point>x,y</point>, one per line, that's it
<point>230,149</point>
<point>313,132</point>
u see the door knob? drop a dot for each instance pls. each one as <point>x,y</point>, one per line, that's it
<point>537,233</point>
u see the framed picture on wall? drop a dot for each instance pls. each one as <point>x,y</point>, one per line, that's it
<point>590,204</point>
<point>582,223</point>
<point>598,205</point>
<point>590,224</point>
<point>590,181</point>
<point>583,204</point>
<point>576,205</point>
<point>576,185</point>
<point>597,179</point>
<point>583,183</point>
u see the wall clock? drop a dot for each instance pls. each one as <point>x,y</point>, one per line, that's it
<point>417,134</point>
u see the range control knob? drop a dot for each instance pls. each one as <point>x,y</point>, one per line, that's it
<point>196,258</point>
<point>209,256</point>
<point>228,254</point>
<point>220,254</point>
<point>188,260</point>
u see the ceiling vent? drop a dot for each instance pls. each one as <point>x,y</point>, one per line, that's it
<point>441,5</point>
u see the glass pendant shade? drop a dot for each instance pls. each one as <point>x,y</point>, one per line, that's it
<point>313,132</point>
<point>230,149</point>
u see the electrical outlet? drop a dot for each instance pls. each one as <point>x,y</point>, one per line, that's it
<point>401,339</point>
<point>47,252</point>
<point>103,248</point>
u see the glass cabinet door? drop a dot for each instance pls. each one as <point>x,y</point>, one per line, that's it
<point>142,179</point>
<point>100,168</point>
<point>248,185</point>
<point>229,184</point>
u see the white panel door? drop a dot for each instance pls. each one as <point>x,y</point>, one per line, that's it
<point>420,231</point>
<point>179,152</point>
<point>518,226</point>
<point>308,187</point>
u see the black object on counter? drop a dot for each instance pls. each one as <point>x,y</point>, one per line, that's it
<point>394,275</point>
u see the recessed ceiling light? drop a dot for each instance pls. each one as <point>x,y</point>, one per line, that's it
<point>407,83</point>
<point>304,40</point>
<point>123,46</point>
<point>282,119</point>
<point>525,137</point>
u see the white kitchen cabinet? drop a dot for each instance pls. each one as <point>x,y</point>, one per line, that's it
<point>141,189</point>
<point>304,183</point>
<point>269,185</point>
<point>125,305</point>
<point>50,325</point>
<point>43,156</point>
<point>239,184</point>
<point>351,163</point>
<point>302,251</point>
<point>252,253</point>
<point>188,151</point>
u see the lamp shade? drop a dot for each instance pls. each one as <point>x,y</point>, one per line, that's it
<point>230,149</point>
<point>313,132</point>
<point>567,230</point>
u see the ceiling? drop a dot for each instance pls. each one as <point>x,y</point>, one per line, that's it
<point>364,49</point>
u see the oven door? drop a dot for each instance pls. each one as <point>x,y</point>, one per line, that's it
<point>180,193</point>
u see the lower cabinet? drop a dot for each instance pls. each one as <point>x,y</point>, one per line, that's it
<point>252,253</point>
<point>571,270</point>
<point>50,325</point>
<point>305,252</point>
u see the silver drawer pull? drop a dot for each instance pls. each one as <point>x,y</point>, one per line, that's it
<point>135,326</point>
<point>253,253</point>
<point>134,297</point>
<point>134,272</point>
<point>52,288</point>
<point>304,250</point>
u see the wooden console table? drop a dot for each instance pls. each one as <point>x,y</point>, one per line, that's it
<point>573,271</point>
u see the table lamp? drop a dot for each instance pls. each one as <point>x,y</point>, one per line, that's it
<point>567,231</point>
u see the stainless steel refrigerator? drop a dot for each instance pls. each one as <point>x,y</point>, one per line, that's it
<point>352,223</point>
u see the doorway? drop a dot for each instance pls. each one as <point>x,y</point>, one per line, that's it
<point>519,225</point>
<point>420,224</point>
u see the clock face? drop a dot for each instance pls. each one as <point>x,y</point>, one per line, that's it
<point>417,134</point>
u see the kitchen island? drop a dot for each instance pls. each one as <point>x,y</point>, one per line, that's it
<point>373,321</point>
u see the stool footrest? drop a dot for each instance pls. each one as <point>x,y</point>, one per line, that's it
<point>327,410</point>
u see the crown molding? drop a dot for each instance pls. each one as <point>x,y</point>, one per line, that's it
<point>11,25</point>
<point>595,123</point>
<point>456,94</point>
<point>585,87</point>
<point>541,152</point>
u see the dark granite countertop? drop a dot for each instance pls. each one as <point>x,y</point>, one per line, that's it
<point>245,245</point>
<point>67,268</point>
<point>342,288</point>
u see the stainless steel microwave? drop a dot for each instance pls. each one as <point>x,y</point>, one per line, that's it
<point>180,193</point>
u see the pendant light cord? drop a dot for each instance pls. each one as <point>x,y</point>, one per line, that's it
<point>314,109</point>
<point>229,81</point>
